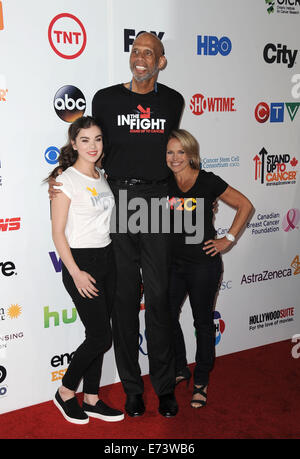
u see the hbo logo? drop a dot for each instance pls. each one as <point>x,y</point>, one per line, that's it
<point>210,45</point>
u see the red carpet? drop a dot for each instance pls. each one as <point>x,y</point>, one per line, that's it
<point>252,394</point>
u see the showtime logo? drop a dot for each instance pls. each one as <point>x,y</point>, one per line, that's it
<point>199,104</point>
<point>67,36</point>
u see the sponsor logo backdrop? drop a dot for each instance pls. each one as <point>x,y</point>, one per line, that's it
<point>237,68</point>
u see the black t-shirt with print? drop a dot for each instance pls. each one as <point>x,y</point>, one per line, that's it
<point>207,186</point>
<point>136,128</point>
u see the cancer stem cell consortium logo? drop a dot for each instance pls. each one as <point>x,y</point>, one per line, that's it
<point>67,36</point>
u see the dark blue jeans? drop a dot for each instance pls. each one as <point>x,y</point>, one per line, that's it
<point>200,282</point>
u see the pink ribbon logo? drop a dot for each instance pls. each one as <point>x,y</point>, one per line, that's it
<point>290,220</point>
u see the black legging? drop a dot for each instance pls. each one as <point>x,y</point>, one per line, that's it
<point>95,315</point>
<point>200,282</point>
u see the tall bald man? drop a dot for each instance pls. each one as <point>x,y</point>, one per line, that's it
<point>137,118</point>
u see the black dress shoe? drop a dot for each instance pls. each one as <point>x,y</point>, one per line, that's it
<point>134,405</point>
<point>167,405</point>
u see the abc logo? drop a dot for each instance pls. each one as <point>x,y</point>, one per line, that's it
<point>69,103</point>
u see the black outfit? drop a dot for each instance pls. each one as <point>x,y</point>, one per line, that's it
<point>195,273</point>
<point>95,315</point>
<point>136,128</point>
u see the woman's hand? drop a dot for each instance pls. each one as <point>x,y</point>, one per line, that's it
<point>214,246</point>
<point>84,284</point>
<point>52,182</point>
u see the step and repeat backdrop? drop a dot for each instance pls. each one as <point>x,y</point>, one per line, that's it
<point>237,66</point>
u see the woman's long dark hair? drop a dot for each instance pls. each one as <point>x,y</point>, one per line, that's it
<point>68,155</point>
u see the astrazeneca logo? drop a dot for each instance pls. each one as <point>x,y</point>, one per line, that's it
<point>130,35</point>
<point>69,103</point>
<point>275,111</point>
<point>199,104</point>
<point>280,54</point>
<point>67,36</point>
<point>52,155</point>
<point>211,46</point>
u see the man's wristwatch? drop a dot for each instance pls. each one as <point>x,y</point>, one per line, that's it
<point>230,237</point>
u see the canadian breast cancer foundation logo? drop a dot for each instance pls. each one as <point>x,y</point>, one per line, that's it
<point>67,36</point>
<point>291,220</point>
<point>219,326</point>
<point>141,121</point>
<point>199,104</point>
<point>272,169</point>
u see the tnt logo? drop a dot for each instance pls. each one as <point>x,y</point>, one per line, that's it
<point>67,36</point>
<point>211,45</point>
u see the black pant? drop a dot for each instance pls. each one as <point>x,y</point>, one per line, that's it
<point>95,315</point>
<point>147,252</point>
<point>200,282</point>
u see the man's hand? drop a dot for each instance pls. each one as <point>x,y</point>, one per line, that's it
<point>52,182</point>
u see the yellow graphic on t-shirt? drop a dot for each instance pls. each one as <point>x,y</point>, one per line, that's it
<point>92,190</point>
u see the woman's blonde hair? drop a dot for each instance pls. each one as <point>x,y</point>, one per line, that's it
<point>190,146</point>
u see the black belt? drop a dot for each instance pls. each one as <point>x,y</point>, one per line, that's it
<point>136,181</point>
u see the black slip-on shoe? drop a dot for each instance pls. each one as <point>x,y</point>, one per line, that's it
<point>103,412</point>
<point>71,410</point>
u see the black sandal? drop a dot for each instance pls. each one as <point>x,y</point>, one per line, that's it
<point>183,375</point>
<point>200,403</point>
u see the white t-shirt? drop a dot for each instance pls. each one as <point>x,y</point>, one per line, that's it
<point>92,202</point>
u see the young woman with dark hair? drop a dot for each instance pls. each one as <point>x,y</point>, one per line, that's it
<point>80,229</point>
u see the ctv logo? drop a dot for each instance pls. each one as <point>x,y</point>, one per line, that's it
<point>275,111</point>
<point>198,104</point>
<point>211,45</point>
<point>130,35</point>
<point>219,327</point>
<point>69,103</point>
<point>10,224</point>
<point>67,36</point>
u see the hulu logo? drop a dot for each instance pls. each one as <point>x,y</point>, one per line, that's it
<point>55,319</point>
